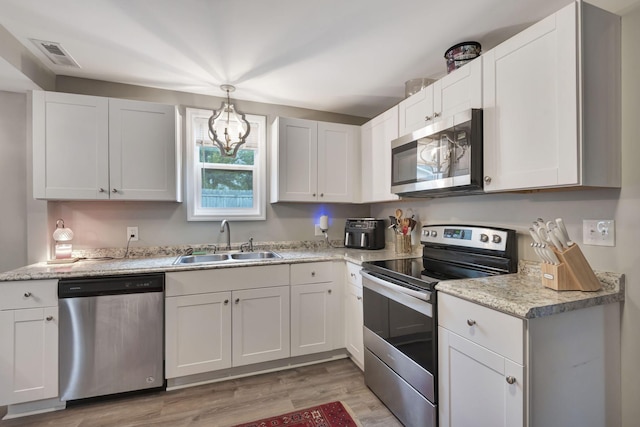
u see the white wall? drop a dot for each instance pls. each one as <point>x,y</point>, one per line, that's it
<point>518,210</point>
<point>13,222</point>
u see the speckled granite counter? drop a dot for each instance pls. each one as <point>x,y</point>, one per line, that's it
<point>523,295</point>
<point>154,264</point>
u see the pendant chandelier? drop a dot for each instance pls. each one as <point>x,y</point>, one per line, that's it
<point>227,122</point>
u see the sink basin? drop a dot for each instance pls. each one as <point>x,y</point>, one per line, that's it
<point>199,259</point>
<point>223,257</point>
<point>255,255</point>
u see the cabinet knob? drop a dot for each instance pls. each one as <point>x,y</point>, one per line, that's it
<point>427,118</point>
<point>321,194</point>
<point>237,300</point>
<point>471,322</point>
<point>49,318</point>
<point>114,190</point>
<point>487,179</point>
<point>353,275</point>
<point>226,302</point>
<point>313,274</point>
<point>511,380</point>
<point>359,298</point>
<point>27,294</point>
<point>329,291</point>
<point>435,115</point>
<point>314,194</point>
<point>101,190</point>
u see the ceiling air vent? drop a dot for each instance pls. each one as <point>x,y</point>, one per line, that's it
<point>56,53</point>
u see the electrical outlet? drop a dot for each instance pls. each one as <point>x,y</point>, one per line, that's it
<point>318,230</point>
<point>132,233</point>
<point>599,232</point>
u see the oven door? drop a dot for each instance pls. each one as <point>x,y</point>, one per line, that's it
<point>400,329</point>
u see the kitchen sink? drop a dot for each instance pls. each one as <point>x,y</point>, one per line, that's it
<point>224,257</point>
<point>255,255</point>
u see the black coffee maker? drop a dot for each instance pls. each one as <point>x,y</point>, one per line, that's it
<point>364,233</point>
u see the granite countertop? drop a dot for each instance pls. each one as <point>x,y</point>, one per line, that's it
<point>523,295</point>
<point>154,263</point>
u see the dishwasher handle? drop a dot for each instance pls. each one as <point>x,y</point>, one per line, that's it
<point>110,285</point>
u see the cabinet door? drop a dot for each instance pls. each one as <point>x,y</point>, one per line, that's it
<point>297,166</point>
<point>531,107</point>
<point>416,111</point>
<point>198,333</point>
<point>354,322</point>
<point>338,162</point>
<point>260,325</point>
<point>29,355</point>
<point>377,135</point>
<point>459,90</point>
<point>474,385</point>
<point>70,146</point>
<point>314,314</point>
<point>142,151</point>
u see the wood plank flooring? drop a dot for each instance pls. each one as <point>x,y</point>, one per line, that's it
<point>227,403</point>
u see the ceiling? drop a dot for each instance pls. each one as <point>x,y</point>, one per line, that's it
<point>343,56</point>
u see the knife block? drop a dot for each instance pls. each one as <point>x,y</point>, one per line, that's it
<point>572,274</point>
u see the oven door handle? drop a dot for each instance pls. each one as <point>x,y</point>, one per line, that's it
<point>418,301</point>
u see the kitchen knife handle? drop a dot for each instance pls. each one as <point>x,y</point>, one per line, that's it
<point>563,229</point>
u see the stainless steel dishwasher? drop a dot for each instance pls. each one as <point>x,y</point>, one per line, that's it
<point>111,335</point>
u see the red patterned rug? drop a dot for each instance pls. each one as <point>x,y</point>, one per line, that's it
<point>333,414</point>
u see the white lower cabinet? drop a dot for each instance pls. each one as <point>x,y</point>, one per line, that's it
<point>499,370</point>
<point>315,308</point>
<point>354,315</point>
<point>260,325</point>
<point>198,333</point>
<point>29,337</point>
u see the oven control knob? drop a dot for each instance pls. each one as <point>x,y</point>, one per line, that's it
<point>497,239</point>
<point>484,238</point>
<point>434,233</point>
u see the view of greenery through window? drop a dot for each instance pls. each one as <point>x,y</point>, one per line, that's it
<point>226,188</point>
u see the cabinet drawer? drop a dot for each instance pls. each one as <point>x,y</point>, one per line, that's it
<point>497,331</point>
<point>312,272</point>
<point>353,274</point>
<point>28,294</point>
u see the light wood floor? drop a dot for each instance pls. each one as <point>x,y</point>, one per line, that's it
<point>227,403</point>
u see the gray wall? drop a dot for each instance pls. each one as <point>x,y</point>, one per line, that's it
<point>13,186</point>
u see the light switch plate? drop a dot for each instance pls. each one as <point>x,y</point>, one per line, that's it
<point>599,232</point>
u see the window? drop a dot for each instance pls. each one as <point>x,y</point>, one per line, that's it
<point>221,187</point>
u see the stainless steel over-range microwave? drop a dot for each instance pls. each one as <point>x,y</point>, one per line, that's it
<point>443,158</point>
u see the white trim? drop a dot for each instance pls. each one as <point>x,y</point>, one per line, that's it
<point>194,187</point>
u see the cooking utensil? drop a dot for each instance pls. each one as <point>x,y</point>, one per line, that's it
<point>551,232</point>
<point>563,230</point>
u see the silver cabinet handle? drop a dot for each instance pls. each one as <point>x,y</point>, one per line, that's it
<point>427,118</point>
<point>226,302</point>
<point>487,179</point>
<point>101,190</point>
<point>27,294</point>
<point>353,275</point>
<point>471,322</point>
<point>511,380</point>
<point>237,300</point>
<point>49,318</point>
<point>435,115</point>
<point>114,190</point>
<point>359,298</point>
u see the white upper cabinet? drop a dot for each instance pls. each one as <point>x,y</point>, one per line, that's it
<point>375,143</point>
<point>314,161</point>
<point>457,91</point>
<point>552,104</point>
<point>94,148</point>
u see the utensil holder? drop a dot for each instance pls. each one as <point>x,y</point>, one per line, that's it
<point>572,274</point>
<point>403,243</point>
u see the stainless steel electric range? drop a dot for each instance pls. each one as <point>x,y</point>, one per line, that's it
<point>400,312</point>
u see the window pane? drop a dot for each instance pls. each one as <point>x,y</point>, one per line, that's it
<point>212,155</point>
<point>227,189</point>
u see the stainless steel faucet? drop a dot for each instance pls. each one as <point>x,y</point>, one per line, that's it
<point>222,225</point>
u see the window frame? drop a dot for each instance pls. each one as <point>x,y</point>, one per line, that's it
<point>195,212</point>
